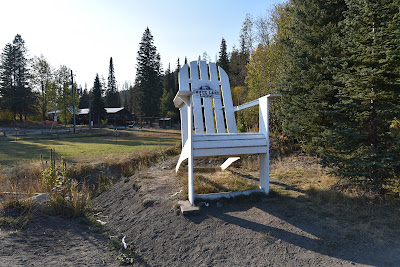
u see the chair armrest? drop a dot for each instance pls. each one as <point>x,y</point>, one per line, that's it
<point>182,98</point>
<point>254,102</point>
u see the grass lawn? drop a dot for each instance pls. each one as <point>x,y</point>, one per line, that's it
<point>85,147</point>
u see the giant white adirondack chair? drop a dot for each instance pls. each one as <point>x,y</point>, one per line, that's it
<point>205,95</point>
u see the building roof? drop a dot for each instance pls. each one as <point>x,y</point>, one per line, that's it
<point>52,112</point>
<point>113,110</point>
<point>83,111</point>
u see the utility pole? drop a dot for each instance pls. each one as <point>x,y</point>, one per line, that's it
<point>90,113</point>
<point>73,99</point>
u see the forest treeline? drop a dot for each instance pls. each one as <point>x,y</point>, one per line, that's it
<point>336,64</point>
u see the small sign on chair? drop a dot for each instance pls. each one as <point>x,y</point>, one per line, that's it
<point>207,92</point>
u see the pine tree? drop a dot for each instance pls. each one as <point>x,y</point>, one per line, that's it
<point>148,82</point>
<point>223,60</point>
<point>362,144</point>
<point>84,99</point>
<point>15,92</point>
<point>308,89</point>
<point>176,72</point>
<point>112,98</point>
<point>240,57</point>
<point>167,108</point>
<point>98,102</point>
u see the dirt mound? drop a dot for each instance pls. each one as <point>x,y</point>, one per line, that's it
<point>54,241</point>
<point>273,231</point>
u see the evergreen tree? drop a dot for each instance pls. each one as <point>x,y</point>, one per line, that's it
<point>361,141</point>
<point>97,101</point>
<point>16,95</point>
<point>176,72</point>
<point>234,69</point>
<point>131,99</point>
<point>124,95</point>
<point>308,89</point>
<point>238,65</point>
<point>240,57</point>
<point>223,60</point>
<point>84,99</point>
<point>167,108</point>
<point>112,98</point>
<point>148,82</point>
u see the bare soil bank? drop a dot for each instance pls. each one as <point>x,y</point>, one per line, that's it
<point>275,231</point>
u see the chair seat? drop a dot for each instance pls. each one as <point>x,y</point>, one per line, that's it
<point>229,144</point>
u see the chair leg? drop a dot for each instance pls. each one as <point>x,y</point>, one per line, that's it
<point>228,162</point>
<point>190,180</point>
<point>264,172</point>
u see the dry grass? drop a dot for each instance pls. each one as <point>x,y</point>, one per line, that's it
<point>208,180</point>
<point>71,185</point>
<point>15,211</point>
<point>302,184</point>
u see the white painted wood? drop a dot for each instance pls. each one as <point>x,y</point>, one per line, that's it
<point>264,129</point>
<point>197,108</point>
<point>228,162</point>
<point>230,143</point>
<point>264,172</point>
<point>217,152</point>
<point>228,104</point>
<point>218,110</point>
<point>273,96</point>
<point>184,124</point>
<point>264,116</point>
<point>208,111</point>
<point>227,136</point>
<point>182,98</point>
<point>190,156</point>
<point>215,196</point>
<point>183,77</point>
<point>199,87</point>
<point>254,102</point>
<point>185,153</point>
<point>246,105</point>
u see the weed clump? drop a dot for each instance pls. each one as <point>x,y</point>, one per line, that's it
<point>67,198</point>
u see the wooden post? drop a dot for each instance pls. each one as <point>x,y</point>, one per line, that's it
<point>264,158</point>
<point>73,99</point>
<point>264,103</point>
<point>190,158</point>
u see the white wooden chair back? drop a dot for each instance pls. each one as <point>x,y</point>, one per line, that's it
<point>211,97</point>
<point>205,96</point>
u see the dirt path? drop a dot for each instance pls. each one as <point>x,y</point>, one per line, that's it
<point>276,231</point>
<point>53,241</point>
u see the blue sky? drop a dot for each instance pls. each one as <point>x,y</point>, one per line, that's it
<point>84,34</point>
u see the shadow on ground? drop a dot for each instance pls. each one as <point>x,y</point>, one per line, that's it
<point>336,230</point>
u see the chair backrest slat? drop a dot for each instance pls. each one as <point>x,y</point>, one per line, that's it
<point>208,108</point>
<point>183,77</point>
<point>228,104</point>
<point>211,97</point>
<point>197,108</point>
<point>219,113</point>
